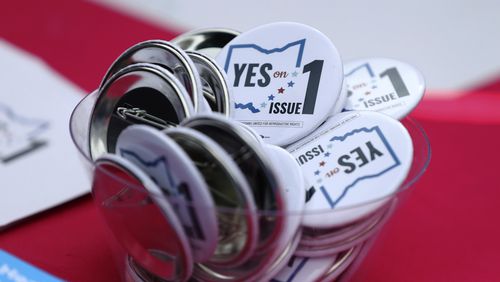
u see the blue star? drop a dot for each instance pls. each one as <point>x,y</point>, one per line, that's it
<point>291,83</point>
<point>319,180</point>
<point>316,172</point>
<point>270,97</point>
<point>263,105</point>
<point>327,154</point>
<point>295,73</point>
<point>329,146</point>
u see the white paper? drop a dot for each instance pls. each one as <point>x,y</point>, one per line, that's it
<point>39,165</point>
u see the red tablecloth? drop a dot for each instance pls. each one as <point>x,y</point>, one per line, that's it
<point>447,230</point>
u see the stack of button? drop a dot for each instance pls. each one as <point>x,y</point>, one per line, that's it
<point>258,156</point>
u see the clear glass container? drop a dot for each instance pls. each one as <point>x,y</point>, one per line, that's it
<point>143,237</point>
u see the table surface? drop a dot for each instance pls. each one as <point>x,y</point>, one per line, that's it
<point>446,230</point>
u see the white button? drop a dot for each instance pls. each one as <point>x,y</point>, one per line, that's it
<point>174,172</point>
<point>291,179</point>
<point>285,79</point>
<point>214,81</point>
<point>255,165</point>
<point>236,209</point>
<point>355,161</point>
<point>141,220</point>
<point>384,85</point>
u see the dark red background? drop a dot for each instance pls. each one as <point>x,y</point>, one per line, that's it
<point>447,230</point>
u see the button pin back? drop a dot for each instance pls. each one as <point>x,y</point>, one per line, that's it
<point>166,55</point>
<point>137,94</point>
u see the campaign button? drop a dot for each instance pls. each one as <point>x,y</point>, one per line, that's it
<point>236,210</point>
<point>352,166</point>
<point>184,186</point>
<point>384,85</point>
<point>255,164</point>
<point>285,79</point>
<point>141,93</point>
<point>166,55</point>
<point>142,221</point>
<point>213,78</point>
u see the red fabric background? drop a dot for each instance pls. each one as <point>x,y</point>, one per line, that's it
<point>445,231</point>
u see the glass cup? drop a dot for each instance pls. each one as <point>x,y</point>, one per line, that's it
<point>149,244</point>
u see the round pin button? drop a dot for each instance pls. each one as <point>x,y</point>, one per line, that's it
<point>173,171</point>
<point>167,55</point>
<point>141,219</point>
<point>292,178</point>
<point>213,80</point>
<point>384,85</point>
<point>137,94</point>
<point>208,41</point>
<point>236,210</point>
<point>265,264</point>
<point>284,78</point>
<point>255,165</point>
<point>352,165</point>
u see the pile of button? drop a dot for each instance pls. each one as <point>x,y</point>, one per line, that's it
<point>259,156</point>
